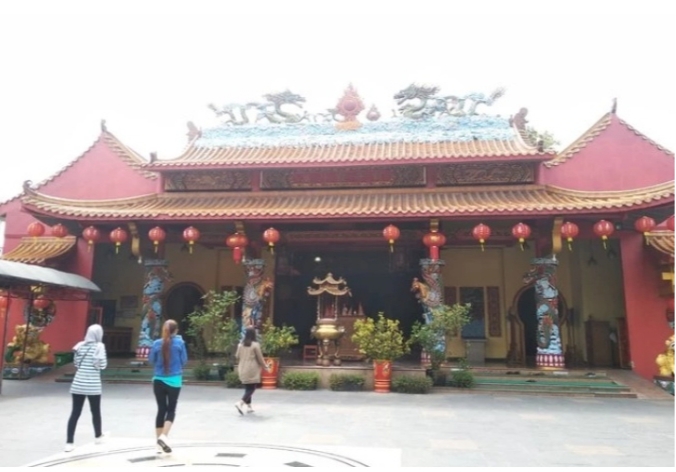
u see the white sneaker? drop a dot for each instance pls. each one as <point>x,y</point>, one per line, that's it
<point>163,442</point>
<point>159,449</point>
<point>102,439</point>
<point>249,409</point>
<point>240,407</point>
<point>69,447</point>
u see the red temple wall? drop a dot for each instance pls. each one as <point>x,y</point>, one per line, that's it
<point>646,320</point>
<point>617,159</point>
<point>69,324</point>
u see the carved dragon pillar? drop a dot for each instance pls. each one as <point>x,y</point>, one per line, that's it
<point>256,292</point>
<point>157,275</point>
<point>542,276</point>
<point>430,294</point>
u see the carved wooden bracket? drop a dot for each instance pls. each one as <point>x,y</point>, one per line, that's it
<point>135,241</point>
<point>556,234</point>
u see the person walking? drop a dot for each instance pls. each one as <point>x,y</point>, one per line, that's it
<point>249,368</point>
<point>89,359</point>
<point>168,356</point>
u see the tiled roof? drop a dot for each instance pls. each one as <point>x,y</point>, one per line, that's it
<point>662,240</point>
<point>312,204</point>
<point>39,250</point>
<point>592,133</point>
<point>128,156</point>
<point>395,140</point>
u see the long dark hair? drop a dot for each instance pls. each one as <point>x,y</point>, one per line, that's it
<point>249,336</point>
<point>169,329</point>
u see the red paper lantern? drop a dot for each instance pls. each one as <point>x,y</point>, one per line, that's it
<point>157,235</point>
<point>41,302</point>
<point>118,236</point>
<point>237,242</point>
<point>569,231</point>
<point>59,231</point>
<point>271,236</point>
<point>91,235</point>
<point>36,229</point>
<point>521,231</point>
<point>604,229</point>
<point>670,223</point>
<point>191,235</point>
<point>391,233</point>
<point>434,241</point>
<point>644,225</point>
<point>481,233</point>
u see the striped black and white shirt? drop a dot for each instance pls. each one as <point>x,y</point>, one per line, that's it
<point>87,380</point>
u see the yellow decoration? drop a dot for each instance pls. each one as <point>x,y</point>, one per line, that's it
<point>666,361</point>
<point>36,350</point>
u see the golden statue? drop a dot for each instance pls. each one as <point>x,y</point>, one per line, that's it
<point>36,350</point>
<point>665,361</point>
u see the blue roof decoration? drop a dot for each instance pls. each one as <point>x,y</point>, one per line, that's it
<point>399,129</point>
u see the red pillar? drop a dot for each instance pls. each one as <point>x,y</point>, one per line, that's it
<point>646,321</point>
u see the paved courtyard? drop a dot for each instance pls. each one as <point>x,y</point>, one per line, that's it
<point>324,428</point>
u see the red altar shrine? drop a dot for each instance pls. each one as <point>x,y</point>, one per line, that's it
<point>440,180</point>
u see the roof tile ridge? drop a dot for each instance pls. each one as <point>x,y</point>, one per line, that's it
<point>130,157</point>
<point>57,173</point>
<point>32,193</point>
<point>664,187</point>
<point>644,137</point>
<point>581,142</point>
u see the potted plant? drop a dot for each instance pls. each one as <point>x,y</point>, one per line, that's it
<point>381,341</point>
<point>213,331</point>
<point>274,340</point>
<point>432,336</point>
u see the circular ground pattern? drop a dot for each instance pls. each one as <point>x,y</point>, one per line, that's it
<point>206,455</point>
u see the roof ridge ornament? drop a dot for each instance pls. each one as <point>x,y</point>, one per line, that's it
<point>104,129</point>
<point>519,120</point>
<point>613,109</point>
<point>424,103</point>
<point>349,107</point>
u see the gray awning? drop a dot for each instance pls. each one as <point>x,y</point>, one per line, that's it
<point>12,273</point>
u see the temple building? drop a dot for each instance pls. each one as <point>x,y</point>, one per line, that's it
<point>566,257</point>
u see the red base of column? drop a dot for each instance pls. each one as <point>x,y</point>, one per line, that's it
<point>550,360</point>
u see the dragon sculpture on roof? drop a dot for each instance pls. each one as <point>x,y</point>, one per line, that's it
<point>421,102</point>
<point>271,110</point>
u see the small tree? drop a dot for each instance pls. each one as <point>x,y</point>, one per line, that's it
<point>211,328</point>
<point>276,339</point>
<point>547,138</point>
<point>445,321</point>
<point>380,339</point>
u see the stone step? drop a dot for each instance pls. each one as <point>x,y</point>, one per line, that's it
<point>552,387</point>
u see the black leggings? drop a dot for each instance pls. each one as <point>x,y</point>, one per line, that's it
<point>167,398</point>
<point>249,390</point>
<point>94,406</point>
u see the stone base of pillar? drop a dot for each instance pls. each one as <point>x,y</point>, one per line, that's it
<point>550,360</point>
<point>142,353</point>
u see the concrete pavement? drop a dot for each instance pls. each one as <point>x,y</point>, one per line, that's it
<point>413,430</point>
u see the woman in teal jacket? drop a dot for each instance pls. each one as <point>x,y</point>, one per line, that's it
<point>169,356</point>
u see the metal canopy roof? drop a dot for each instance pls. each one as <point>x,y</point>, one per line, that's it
<point>17,272</point>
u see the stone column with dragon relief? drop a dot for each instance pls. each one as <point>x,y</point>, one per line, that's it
<point>542,276</point>
<point>157,276</point>
<point>430,295</point>
<point>256,292</point>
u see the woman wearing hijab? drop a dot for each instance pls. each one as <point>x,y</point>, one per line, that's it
<point>90,359</point>
<point>168,355</point>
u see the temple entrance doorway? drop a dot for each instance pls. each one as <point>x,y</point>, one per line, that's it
<point>379,281</point>
<point>526,337</point>
<point>181,300</point>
